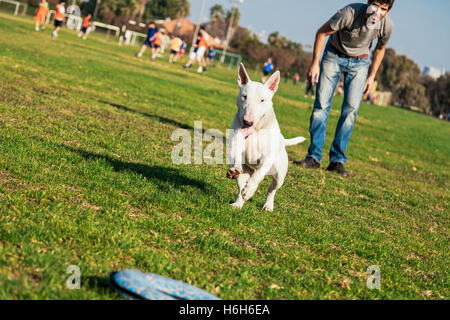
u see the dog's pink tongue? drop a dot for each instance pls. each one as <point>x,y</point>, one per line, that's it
<point>247,132</point>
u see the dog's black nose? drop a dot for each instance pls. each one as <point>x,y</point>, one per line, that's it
<point>247,124</point>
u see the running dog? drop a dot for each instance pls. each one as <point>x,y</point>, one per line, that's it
<point>256,146</point>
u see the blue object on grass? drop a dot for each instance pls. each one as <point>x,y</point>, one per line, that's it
<point>136,285</point>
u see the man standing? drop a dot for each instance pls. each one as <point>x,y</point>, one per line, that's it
<point>152,29</point>
<point>41,15</point>
<point>351,32</point>
<point>267,69</point>
<point>203,39</point>
<point>175,47</point>
<point>60,11</point>
<point>85,26</point>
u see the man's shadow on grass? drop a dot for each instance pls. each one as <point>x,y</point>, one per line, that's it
<point>160,175</point>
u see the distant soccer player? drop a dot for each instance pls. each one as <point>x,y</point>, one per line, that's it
<point>174,48</point>
<point>200,53</point>
<point>268,67</point>
<point>157,42</point>
<point>211,55</point>
<point>41,14</point>
<point>59,17</point>
<point>152,29</point>
<point>182,52</point>
<point>84,28</point>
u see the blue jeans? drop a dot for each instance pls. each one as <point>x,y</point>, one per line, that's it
<point>355,75</point>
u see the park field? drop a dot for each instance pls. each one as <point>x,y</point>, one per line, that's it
<point>86,179</point>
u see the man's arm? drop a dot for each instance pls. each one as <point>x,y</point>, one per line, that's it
<point>321,35</point>
<point>378,56</point>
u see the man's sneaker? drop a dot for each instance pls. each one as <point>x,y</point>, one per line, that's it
<point>36,29</point>
<point>54,34</point>
<point>308,163</point>
<point>187,66</point>
<point>339,168</point>
<point>139,55</point>
<point>205,69</point>
<point>200,70</point>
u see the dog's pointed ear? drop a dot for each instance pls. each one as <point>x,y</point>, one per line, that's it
<point>273,82</point>
<point>243,77</point>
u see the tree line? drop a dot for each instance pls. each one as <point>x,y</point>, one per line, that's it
<point>398,74</point>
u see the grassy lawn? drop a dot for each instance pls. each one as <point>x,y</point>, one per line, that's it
<point>86,179</point>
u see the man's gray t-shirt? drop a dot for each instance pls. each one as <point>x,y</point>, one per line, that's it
<point>353,38</point>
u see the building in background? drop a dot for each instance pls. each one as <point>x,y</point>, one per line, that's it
<point>433,72</point>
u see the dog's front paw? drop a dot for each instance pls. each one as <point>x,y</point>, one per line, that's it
<point>234,173</point>
<point>237,205</point>
<point>248,192</point>
<point>268,207</point>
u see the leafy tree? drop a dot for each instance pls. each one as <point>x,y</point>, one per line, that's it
<point>217,12</point>
<point>168,9</point>
<point>402,76</point>
<point>237,16</point>
<point>276,40</point>
<point>438,92</point>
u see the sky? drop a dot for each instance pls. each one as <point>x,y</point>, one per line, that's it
<point>421,27</point>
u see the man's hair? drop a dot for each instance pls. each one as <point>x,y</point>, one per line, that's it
<point>389,2</point>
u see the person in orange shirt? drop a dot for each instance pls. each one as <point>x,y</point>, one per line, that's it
<point>84,27</point>
<point>201,49</point>
<point>174,48</point>
<point>41,14</point>
<point>59,17</point>
<point>157,42</point>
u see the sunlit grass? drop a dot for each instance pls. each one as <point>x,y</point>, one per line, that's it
<point>86,179</point>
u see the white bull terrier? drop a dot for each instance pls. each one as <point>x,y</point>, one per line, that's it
<point>257,147</point>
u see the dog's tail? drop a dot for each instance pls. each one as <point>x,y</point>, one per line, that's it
<point>293,142</point>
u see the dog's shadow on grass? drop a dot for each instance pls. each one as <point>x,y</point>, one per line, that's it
<point>160,175</point>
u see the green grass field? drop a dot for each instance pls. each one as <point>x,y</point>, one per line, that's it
<point>86,179</point>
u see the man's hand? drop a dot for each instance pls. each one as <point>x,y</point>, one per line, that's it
<point>369,85</point>
<point>313,74</point>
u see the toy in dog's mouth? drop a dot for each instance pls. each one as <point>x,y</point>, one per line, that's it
<point>247,132</point>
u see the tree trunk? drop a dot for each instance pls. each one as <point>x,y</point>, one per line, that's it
<point>97,7</point>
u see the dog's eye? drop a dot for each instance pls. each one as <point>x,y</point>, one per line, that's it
<point>244,96</point>
<point>262,100</point>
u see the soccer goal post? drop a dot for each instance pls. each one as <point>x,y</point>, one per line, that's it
<point>134,38</point>
<point>231,59</point>
<point>13,6</point>
<point>105,29</point>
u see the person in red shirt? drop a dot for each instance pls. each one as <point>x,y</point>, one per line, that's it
<point>59,17</point>
<point>85,26</point>
<point>41,14</point>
